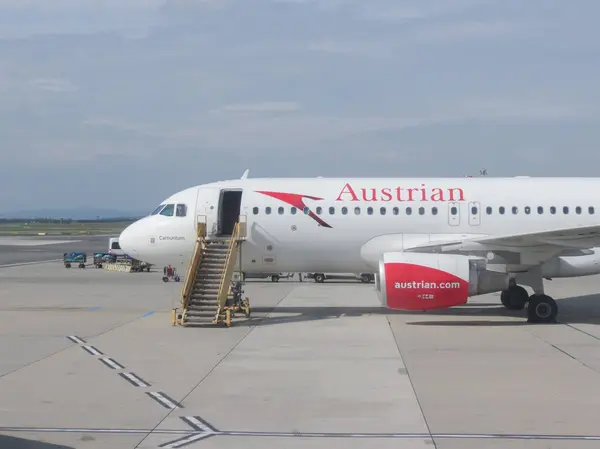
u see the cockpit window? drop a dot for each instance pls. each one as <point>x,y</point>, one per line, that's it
<point>157,210</point>
<point>168,210</point>
<point>181,210</point>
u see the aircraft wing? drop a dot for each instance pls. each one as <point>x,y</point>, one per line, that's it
<point>552,242</point>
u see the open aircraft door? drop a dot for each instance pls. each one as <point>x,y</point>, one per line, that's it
<point>208,209</point>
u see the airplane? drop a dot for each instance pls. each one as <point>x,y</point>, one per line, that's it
<point>432,243</point>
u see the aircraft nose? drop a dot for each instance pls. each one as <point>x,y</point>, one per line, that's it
<point>129,240</point>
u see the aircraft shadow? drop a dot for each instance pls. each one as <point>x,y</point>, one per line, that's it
<point>7,442</point>
<point>575,310</point>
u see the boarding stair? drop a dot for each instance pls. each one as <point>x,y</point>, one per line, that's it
<point>209,294</point>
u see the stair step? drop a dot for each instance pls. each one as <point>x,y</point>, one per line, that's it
<point>199,301</point>
<point>213,261</point>
<point>210,270</point>
<point>204,308</point>
<point>191,314</point>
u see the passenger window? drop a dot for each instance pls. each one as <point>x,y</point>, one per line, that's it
<point>578,210</point>
<point>255,211</point>
<point>453,210</point>
<point>565,210</point>
<point>268,210</point>
<point>344,210</point>
<point>357,211</point>
<point>319,210</point>
<point>421,211</point>
<point>157,210</point>
<point>540,210</point>
<point>591,210</point>
<point>474,210</point>
<point>370,210</point>
<point>408,211</point>
<point>331,210</point>
<point>168,210</point>
<point>501,210</point>
<point>527,210</point>
<point>382,211</point>
<point>552,209</point>
<point>293,210</point>
<point>396,211</point>
<point>280,210</point>
<point>306,211</point>
<point>181,210</point>
<point>488,210</point>
<point>515,210</point>
<point>434,210</point>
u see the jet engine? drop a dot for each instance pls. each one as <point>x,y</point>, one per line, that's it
<point>418,281</point>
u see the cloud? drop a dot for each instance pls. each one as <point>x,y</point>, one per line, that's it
<point>267,106</point>
<point>207,89</point>
<point>55,85</point>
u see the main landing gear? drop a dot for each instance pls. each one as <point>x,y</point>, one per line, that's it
<point>541,308</point>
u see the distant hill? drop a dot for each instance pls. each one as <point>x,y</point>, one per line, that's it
<point>74,213</point>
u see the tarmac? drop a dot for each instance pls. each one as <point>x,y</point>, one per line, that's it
<point>89,359</point>
<point>30,250</point>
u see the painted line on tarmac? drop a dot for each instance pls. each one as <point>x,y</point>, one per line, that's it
<point>111,363</point>
<point>21,264</point>
<point>201,428</point>
<point>164,400</point>
<point>134,380</point>
<point>76,339</point>
<point>91,350</point>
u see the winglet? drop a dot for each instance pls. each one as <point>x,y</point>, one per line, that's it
<point>246,173</point>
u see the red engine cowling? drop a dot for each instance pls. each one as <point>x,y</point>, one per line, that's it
<point>416,281</point>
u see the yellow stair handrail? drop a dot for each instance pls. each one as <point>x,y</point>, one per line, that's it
<point>227,270</point>
<point>195,260</point>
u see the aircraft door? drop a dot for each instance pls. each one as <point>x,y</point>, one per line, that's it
<point>208,209</point>
<point>474,213</point>
<point>453,213</point>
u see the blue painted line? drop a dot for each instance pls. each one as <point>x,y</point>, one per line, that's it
<point>148,314</point>
<point>94,309</point>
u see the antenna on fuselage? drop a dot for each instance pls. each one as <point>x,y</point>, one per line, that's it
<point>246,173</point>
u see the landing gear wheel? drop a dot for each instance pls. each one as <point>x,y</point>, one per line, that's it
<point>514,298</point>
<point>542,309</point>
<point>319,277</point>
<point>275,278</point>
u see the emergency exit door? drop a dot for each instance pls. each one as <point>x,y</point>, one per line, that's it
<point>474,213</point>
<point>453,214</point>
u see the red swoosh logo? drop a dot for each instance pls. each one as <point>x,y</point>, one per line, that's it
<point>297,201</point>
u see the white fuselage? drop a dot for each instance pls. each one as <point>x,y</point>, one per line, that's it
<point>344,225</point>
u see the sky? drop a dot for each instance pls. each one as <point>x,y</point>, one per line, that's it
<point>120,103</point>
